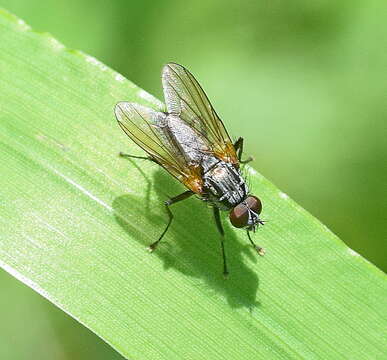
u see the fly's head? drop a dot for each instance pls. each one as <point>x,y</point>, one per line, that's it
<point>246,214</point>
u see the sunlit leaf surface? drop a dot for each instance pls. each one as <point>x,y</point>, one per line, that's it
<point>75,221</point>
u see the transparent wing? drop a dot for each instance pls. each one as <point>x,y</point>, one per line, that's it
<point>186,99</point>
<point>145,127</point>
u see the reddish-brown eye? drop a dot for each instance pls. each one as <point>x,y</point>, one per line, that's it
<point>239,216</point>
<point>254,204</point>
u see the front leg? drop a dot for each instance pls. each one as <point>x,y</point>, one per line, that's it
<point>258,249</point>
<point>238,145</point>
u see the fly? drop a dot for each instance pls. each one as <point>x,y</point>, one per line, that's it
<point>192,144</point>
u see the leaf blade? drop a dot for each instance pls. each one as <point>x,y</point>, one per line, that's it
<point>76,221</point>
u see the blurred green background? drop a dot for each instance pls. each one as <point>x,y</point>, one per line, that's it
<point>304,82</point>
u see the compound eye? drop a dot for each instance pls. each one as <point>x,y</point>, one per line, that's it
<point>239,216</point>
<point>254,204</point>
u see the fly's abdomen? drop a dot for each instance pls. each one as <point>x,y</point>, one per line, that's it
<point>192,145</point>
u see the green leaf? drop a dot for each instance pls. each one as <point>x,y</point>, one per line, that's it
<point>76,219</point>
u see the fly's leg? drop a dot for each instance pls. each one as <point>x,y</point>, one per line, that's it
<point>180,197</point>
<point>238,145</point>
<point>218,223</point>
<point>137,157</point>
<point>260,251</point>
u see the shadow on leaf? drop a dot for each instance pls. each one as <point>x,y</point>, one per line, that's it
<point>191,245</point>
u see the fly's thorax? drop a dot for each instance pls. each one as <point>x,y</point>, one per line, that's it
<point>224,184</point>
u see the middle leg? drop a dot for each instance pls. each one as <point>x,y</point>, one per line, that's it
<point>238,145</point>
<point>168,203</point>
<point>221,231</point>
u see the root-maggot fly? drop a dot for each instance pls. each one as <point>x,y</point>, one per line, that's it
<point>192,144</point>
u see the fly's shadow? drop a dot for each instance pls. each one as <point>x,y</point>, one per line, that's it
<point>197,256</point>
